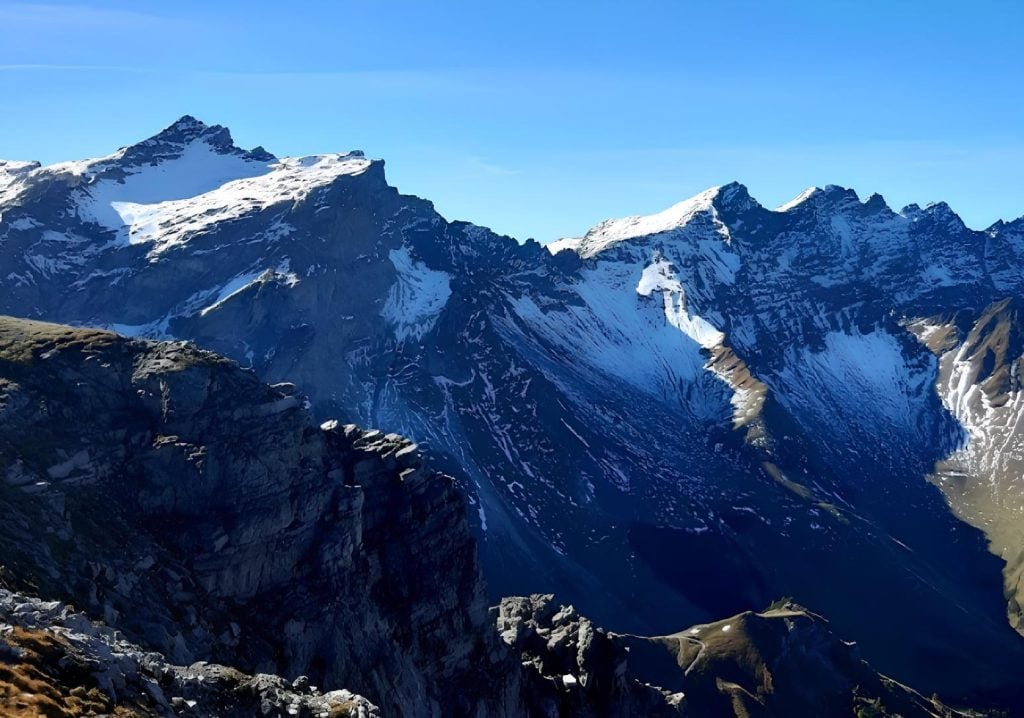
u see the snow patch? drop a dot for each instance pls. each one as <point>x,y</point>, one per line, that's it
<point>660,277</point>
<point>606,332</point>
<point>159,208</point>
<point>558,245</point>
<point>12,178</point>
<point>243,281</point>
<point>199,169</point>
<point>417,296</point>
<point>855,380</point>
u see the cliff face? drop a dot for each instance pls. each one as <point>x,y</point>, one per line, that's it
<point>174,495</point>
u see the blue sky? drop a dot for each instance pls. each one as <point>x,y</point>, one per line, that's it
<point>539,119</point>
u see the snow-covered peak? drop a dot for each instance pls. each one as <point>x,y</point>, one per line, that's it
<point>167,223</point>
<point>12,177</point>
<point>564,243</point>
<point>181,181</point>
<point>185,127</point>
<point>185,159</point>
<point>798,200</point>
<point>187,136</point>
<point>613,231</point>
<point>185,132</point>
<point>939,212</point>
<point>830,196</point>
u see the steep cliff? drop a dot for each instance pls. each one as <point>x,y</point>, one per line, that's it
<point>170,493</point>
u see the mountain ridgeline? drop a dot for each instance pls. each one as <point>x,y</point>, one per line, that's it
<point>669,419</point>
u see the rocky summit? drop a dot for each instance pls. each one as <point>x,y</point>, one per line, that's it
<point>668,419</point>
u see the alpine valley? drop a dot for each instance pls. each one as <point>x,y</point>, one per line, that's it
<point>781,415</point>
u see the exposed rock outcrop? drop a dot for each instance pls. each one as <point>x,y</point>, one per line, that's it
<point>172,494</point>
<point>579,670</point>
<point>55,662</point>
<point>782,662</point>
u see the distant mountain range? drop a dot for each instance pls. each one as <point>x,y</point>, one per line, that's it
<point>669,419</point>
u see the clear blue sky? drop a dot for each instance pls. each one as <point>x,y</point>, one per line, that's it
<point>541,118</point>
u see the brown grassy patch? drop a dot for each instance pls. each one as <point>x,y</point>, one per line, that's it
<point>39,676</point>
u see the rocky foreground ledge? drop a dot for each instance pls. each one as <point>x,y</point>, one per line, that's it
<point>191,513</point>
<point>56,662</point>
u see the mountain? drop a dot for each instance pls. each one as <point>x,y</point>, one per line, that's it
<point>673,418</point>
<point>190,512</point>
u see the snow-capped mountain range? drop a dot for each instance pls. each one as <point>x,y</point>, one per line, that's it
<point>670,417</point>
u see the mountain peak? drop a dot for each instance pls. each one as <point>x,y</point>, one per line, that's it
<point>187,123</point>
<point>612,231</point>
<point>832,197</point>
<point>937,212</point>
<point>734,198</point>
<point>186,131</point>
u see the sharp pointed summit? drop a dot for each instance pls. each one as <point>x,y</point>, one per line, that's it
<point>184,132</point>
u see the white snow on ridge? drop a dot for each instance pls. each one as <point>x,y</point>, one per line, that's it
<point>798,200</point>
<point>613,231</point>
<point>993,448</point>
<point>165,224</point>
<point>12,175</point>
<point>199,168</point>
<point>247,279</point>
<point>417,296</point>
<point>564,243</point>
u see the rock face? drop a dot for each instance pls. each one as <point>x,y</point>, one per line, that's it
<point>675,417</point>
<point>782,662</point>
<point>56,662</point>
<point>170,493</point>
<point>585,672</point>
